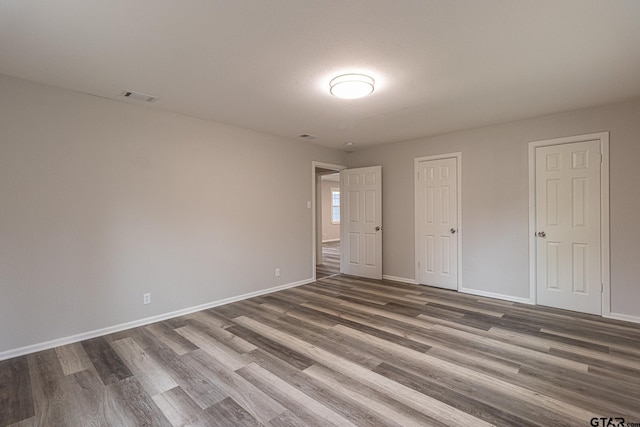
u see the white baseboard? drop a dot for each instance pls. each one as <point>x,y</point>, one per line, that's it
<point>496,296</point>
<point>331,240</point>
<point>466,290</point>
<point>21,351</point>
<point>625,317</point>
<point>616,316</point>
<point>399,279</point>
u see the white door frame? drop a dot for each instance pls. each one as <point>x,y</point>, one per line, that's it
<point>314,219</point>
<point>603,137</point>
<point>416,162</point>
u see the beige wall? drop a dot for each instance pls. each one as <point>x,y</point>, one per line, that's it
<point>495,198</point>
<point>101,201</point>
<point>329,231</point>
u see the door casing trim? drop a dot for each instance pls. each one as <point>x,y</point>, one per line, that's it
<point>416,161</point>
<point>603,137</point>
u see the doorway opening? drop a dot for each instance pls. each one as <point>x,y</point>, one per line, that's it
<point>328,225</point>
<point>326,219</point>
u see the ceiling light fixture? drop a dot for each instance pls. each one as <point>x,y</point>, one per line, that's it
<point>351,86</point>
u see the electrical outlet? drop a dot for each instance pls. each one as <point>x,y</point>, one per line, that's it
<point>146,298</point>
<point>277,272</point>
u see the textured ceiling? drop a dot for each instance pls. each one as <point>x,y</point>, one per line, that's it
<point>439,65</point>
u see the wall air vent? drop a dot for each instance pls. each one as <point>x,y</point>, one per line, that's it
<point>307,136</point>
<point>137,96</point>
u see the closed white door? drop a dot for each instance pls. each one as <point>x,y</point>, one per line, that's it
<point>568,259</point>
<point>437,223</point>
<point>361,222</point>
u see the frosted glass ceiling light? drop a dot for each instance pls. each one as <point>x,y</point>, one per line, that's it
<point>351,86</point>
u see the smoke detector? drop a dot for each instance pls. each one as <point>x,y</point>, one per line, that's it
<point>138,96</point>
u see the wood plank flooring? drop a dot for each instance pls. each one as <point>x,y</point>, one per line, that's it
<point>330,260</point>
<point>341,351</point>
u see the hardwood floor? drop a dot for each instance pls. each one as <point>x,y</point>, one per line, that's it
<point>341,351</point>
<point>330,260</point>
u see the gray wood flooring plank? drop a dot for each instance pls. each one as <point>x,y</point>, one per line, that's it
<point>292,357</point>
<point>223,354</point>
<point>16,401</point>
<point>431,407</point>
<point>29,422</point>
<point>481,342</point>
<point>299,314</point>
<point>496,412</point>
<point>615,344</point>
<point>137,408</point>
<point>234,342</point>
<point>252,399</point>
<point>343,405</point>
<point>231,310</point>
<point>372,287</point>
<point>295,400</point>
<point>140,335</point>
<point>285,296</point>
<point>149,372</point>
<point>607,396</point>
<point>297,310</point>
<point>574,343</point>
<point>76,399</point>
<point>170,338</point>
<point>463,373</point>
<point>314,334</point>
<point>89,403</point>
<point>197,383</point>
<point>212,318</point>
<point>105,360</point>
<point>46,375</point>
<point>73,358</point>
<point>182,411</point>
<point>287,419</point>
<point>379,403</point>
<point>364,309</point>
<point>327,339</point>
<point>590,361</point>
<point>228,412</point>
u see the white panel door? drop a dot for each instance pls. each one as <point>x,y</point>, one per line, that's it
<point>361,222</point>
<point>568,269</point>
<point>437,223</point>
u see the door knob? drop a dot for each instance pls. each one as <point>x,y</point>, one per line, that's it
<point>542,234</point>
<point>453,231</point>
<point>378,228</point>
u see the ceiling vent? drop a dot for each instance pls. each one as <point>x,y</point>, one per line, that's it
<point>137,96</point>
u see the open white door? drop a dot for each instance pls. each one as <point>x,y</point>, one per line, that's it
<point>361,222</point>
